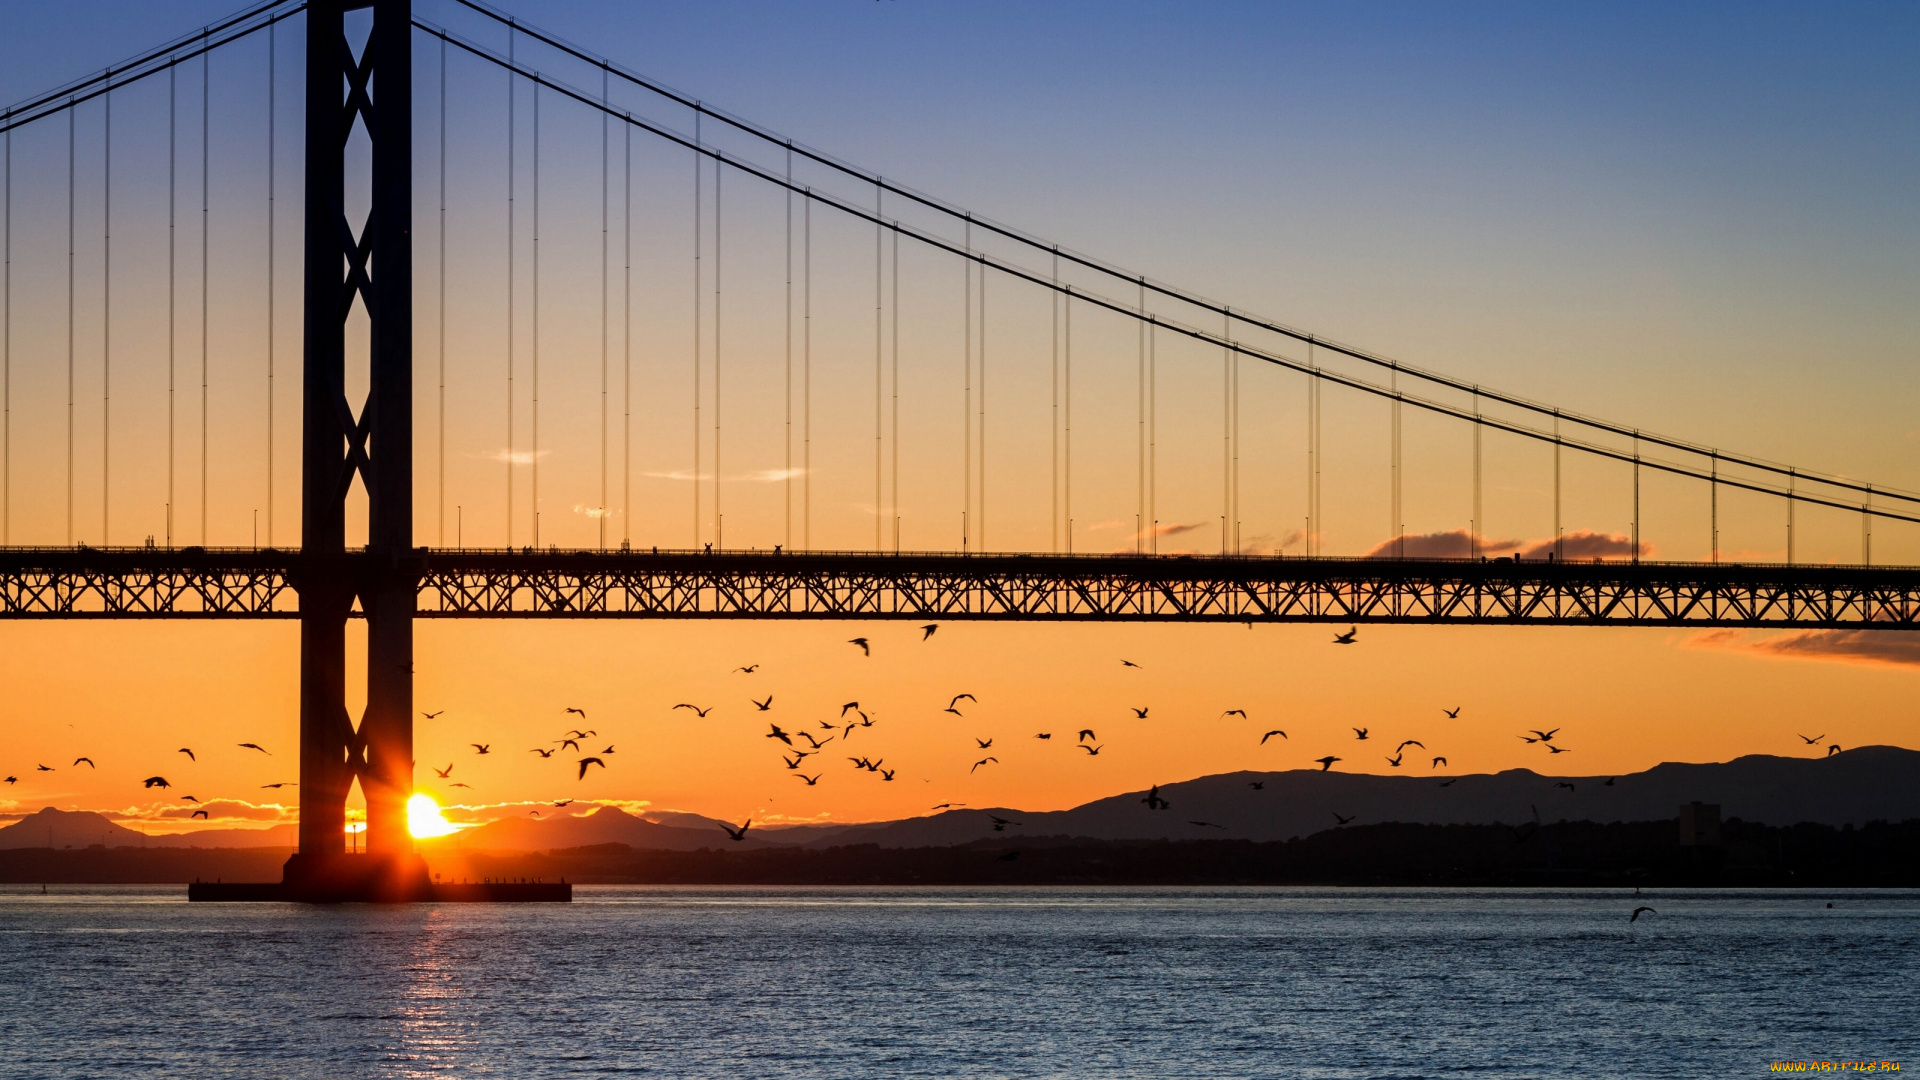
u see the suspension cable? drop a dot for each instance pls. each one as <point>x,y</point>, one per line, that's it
<point>106,319</point>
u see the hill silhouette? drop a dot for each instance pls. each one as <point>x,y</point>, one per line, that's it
<point>62,829</point>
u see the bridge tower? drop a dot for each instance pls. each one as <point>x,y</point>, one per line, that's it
<point>374,266</point>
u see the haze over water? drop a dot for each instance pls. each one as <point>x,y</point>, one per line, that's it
<point>1043,982</point>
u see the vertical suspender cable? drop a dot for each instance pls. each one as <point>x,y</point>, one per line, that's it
<point>980,534</point>
<point>1790,502</point>
<point>206,175</point>
<point>787,472</point>
<point>605,203</point>
<point>806,374</point>
<point>6,358</point>
<point>173,114</point>
<point>1226,432</point>
<point>512,172</point>
<point>1636,505</point>
<point>1713,506</point>
<point>1236,442</point>
<point>273,99</point>
<point>533,358</point>
<point>106,319</point>
<point>1307,539</point>
<point>70,122</point>
<point>1153,433</point>
<point>1140,425</point>
<point>1066,487</point>
<point>878,324</point>
<point>1053,299</point>
<point>896,389</point>
<point>626,353</point>
<point>440,426</point>
<point>1866,529</point>
<point>1478,527</point>
<point>1559,545</point>
<point>966,401</point>
<point>718,171</point>
<point>1396,527</point>
<point>696,325</point>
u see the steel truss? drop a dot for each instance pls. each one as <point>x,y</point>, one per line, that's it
<point>194,584</point>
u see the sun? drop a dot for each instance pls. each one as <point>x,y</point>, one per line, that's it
<point>423,817</point>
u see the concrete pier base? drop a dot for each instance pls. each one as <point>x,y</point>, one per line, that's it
<point>371,879</point>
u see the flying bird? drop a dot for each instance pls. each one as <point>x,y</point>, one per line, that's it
<point>946,806</point>
<point>985,744</point>
<point>276,787</point>
<point>816,743</point>
<point>456,783</point>
<point>1566,785</point>
<point>1811,741</point>
<point>1439,761</point>
<point>1359,733</point>
<point>776,733</point>
<point>88,760</point>
<point>581,713</point>
<point>13,779</point>
<point>887,774</point>
<point>564,743</point>
<point>738,834</point>
<point>793,762</point>
<point>1558,750</point>
<point>608,750</point>
<point>189,753</point>
<point>1527,738</point>
<point>1271,734</point>
<point>200,814</point>
<point>1257,785</point>
<point>1206,824</point>
<point>1153,799</point>
<point>188,798</point>
<point>1128,663</point>
<point>749,669</point>
<point>763,706</point>
<point>1545,736</point>
<point>254,746</point>
<point>533,813</point>
<point>1326,762</point>
<point>1343,820</point>
<point>586,761</point>
<point>1832,749</point>
<point>697,710</point>
<point>1637,912</point>
<point>847,708</point>
<point>1410,742</point>
<point>1608,782</point>
<point>484,748</point>
<point>811,780</point>
<point>1241,713</point>
<point>576,733</point>
<point>958,698</point>
<point>43,768</point>
<point>155,782</point>
<point>927,630</point>
<point>1452,714</point>
<point>1395,760</point>
<point>981,762</point>
<point>1092,751</point>
<point>563,802</point>
<point>442,773</point>
<point>1141,714</point>
<point>1044,735</point>
<point>549,753</point>
<point>1346,638</point>
<point>865,649</point>
<point>1085,734</point>
<point>432,715</point>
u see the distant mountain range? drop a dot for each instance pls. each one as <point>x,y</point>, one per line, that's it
<point>1865,784</point>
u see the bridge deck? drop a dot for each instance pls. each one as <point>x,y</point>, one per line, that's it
<point>193,583</point>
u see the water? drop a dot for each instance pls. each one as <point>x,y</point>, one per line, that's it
<point>947,982</point>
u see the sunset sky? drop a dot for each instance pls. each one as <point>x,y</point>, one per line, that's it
<point>1698,223</point>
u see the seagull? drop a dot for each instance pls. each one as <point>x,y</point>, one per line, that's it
<point>1154,801</point>
<point>864,647</point>
<point>697,710</point>
<point>1359,733</point>
<point>254,746</point>
<point>576,733</point>
<point>824,726</point>
<point>776,733</point>
<point>957,698</point>
<point>563,802</point>
<point>1326,762</point>
<point>1410,742</point>
<point>953,710</point>
<point>1271,734</point>
<point>1128,663</point>
<point>985,744</point>
<point>547,753</point>
<point>1257,785</point>
<point>88,760</point>
<point>1044,735</point>
<point>1452,714</point>
<point>981,762</point>
<point>1206,824</point>
<point>566,743</point>
<point>276,787</point>
<point>1000,824</point>
<point>886,774</point>
<point>816,743</point>
<point>1527,738</point>
<point>749,669</point>
<point>1085,734</point>
<point>946,806</point>
<point>1545,736</point>
<point>1241,713</point>
<point>739,833</point>
<point>1832,749</point>
<point>1558,750</point>
<point>432,715</point>
<point>1635,917</point>
<point>581,713</point>
<point>1566,785</point>
<point>43,768</point>
<point>1811,741</point>
<point>1141,714</point>
<point>156,782</point>
<point>1394,760</point>
<point>13,779</point>
<point>484,748</point>
<point>200,814</point>
<point>763,706</point>
<point>1346,638</point>
<point>927,630</point>
<point>792,763</point>
<point>1093,751</point>
<point>811,780</point>
<point>608,750</point>
<point>586,761</point>
<point>1343,820</point>
<point>1439,761</point>
<point>189,753</point>
<point>442,773</point>
<point>469,787</point>
<point>533,813</point>
<point>847,708</point>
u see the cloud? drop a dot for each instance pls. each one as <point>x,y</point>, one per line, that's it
<point>1582,545</point>
<point>757,476</point>
<point>218,810</point>
<point>1893,648</point>
<point>516,457</point>
<point>594,511</point>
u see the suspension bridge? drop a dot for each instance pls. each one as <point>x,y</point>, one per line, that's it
<point>104,532</point>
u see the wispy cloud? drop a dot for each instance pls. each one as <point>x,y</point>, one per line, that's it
<point>1582,544</point>
<point>594,511</point>
<point>517,457</point>
<point>1895,648</point>
<point>757,476</point>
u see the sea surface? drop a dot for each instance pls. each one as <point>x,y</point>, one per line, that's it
<point>1184,983</point>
